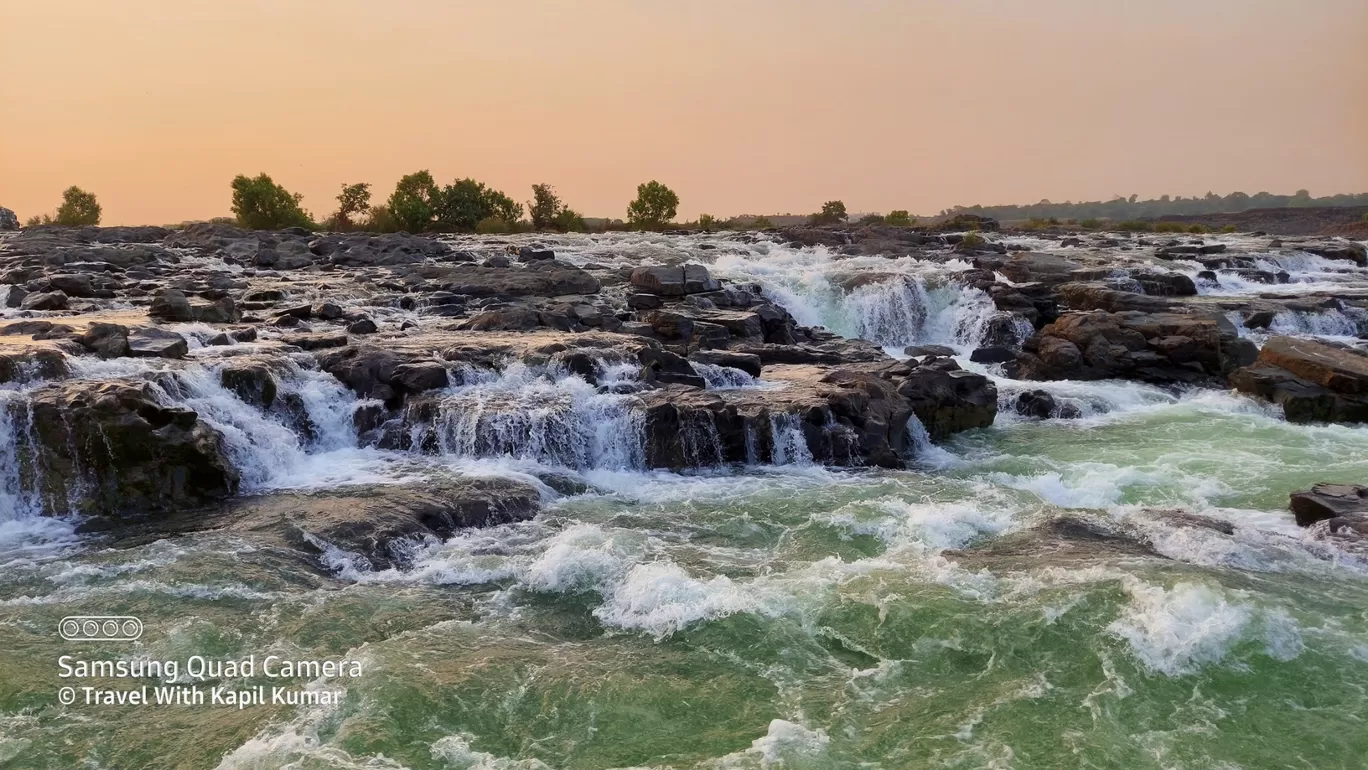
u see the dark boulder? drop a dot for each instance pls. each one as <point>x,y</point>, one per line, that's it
<point>150,342</point>
<point>674,281</point>
<point>49,300</point>
<point>1328,501</point>
<point>106,340</point>
<point>1312,381</point>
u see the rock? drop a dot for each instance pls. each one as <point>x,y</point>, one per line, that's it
<point>1162,348</point>
<point>252,382</point>
<point>1024,267</point>
<point>518,319</point>
<point>8,220</point>
<point>665,367</point>
<point>418,377</point>
<point>110,448</point>
<point>171,306</point>
<point>919,351</point>
<point>644,301</point>
<point>1312,381</point>
<point>746,362</point>
<point>530,254</point>
<point>150,342</point>
<point>376,527</point>
<point>12,296</point>
<point>1094,296</point>
<point>1036,403</point>
<point>674,281</point>
<point>327,311</point>
<point>106,340</point>
<point>1328,501</point>
<point>362,326</point>
<point>73,285</point>
<point>537,279</point>
<point>948,402</point>
<point>993,355</point>
<point>223,311</point>
<point>51,300</point>
<point>316,341</point>
<point>244,335</point>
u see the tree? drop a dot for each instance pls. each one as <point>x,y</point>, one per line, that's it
<point>413,204</point>
<point>543,207</point>
<point>707,222</point>
<point>654,207</point>
<point>832,213</point>
<point>501,206</point>
<point>353,201</point>
<point>899,218</point>
<point>872,219</point>
<point>261,204</point>
<point>568,221</point>
<point>762,223</point>
<point>460,206</point>
<point>78,208</point>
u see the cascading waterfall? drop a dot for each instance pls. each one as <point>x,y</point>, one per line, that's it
<point>19,498</point>
<point>544,416</point>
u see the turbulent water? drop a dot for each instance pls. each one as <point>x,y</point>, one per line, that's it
<point>745,617</point>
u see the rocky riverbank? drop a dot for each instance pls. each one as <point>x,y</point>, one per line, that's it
<point>147,367</point>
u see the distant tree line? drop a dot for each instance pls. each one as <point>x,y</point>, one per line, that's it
<point>419,205</point>
<point>1121,209</point>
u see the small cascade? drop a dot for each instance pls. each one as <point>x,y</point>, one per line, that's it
<point>311,415</point>
<point>1349,322</point>
<point>725,377</point>
<point>788,443</point>
<point>904,311</point>
<point>19,496</point>
<point>545,416</point>
<point>700,440</point>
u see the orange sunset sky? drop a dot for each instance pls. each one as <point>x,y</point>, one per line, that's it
<point>746,106</point>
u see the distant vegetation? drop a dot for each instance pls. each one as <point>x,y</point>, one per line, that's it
<point>833,212</point>
<point>1127,210</point>
<point>79,208</point>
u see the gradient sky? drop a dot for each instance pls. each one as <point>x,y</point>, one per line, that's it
<point>741,106</point>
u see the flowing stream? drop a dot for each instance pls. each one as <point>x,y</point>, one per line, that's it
<point>781,615</point>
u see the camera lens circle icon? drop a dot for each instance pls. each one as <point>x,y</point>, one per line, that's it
<point>71,628</point>
<point>132,629</point>
<point>90,628</point>
<point>110,628</point>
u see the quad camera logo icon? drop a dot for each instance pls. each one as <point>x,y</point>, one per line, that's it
<point>100,628</point>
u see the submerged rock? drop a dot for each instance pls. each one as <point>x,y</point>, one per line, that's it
<point>377,527</point>
<point>1328,501</point>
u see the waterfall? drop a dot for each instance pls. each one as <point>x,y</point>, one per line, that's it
<point>544,416</point>
<point>787,441</point>
<point>19,498</point>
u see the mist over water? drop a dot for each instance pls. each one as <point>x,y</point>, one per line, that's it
<point>758,616</point>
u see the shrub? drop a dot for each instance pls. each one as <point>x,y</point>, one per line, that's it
<point>833,212</point>
<point>1232,228</point>
<point>381,220</point>
<point>492,226</point>
<point>1365,216</point>
<point>1170,227</point>
<point>352,202</point>
<point>762,223</point>
<point>707,222</point>
<point>1133,226</point>
<point>654,208</point>
<point>872,219</point>
<point>38,220</point>
<point>413,204</point>
<point>568,221</point>
<point>972,240</point>
<point>899,218</point>
<point>1199,229</point>
<point>261,204</point>
<point>1090,224</point>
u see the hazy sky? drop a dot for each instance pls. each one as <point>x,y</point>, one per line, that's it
<point>739,105</point>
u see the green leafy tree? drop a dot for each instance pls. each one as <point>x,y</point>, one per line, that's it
<point>707,222</point>
<point>79,208</point>
<point>461,206</point>
<point>833,212</point>
<point>261,204</point>
<point>413,204</point>
<point>872,219</point>
<point>899,218</point>
<point>38,220</point>
<point>503,207</point>
<point>352,202</point>
<point>543,207</point>
<point>655,206</point>
<point>381,220</point>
